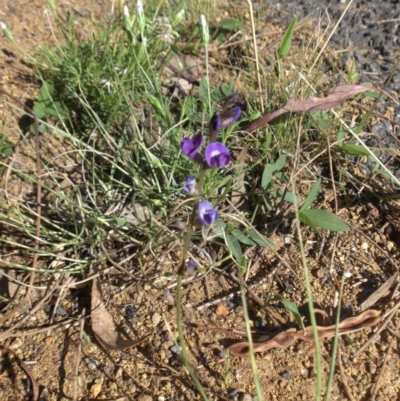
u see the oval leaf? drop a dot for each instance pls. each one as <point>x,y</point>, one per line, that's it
<point>312,195</point>
<point>355,150</point>
<point>234,248</point>
<point>267,176</point>
<point>229,24</point>
<point>323,219</point>
<point>280,163</point>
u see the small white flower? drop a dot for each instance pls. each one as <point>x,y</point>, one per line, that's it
<point>144,40</point>
<point>126,10</point>
<point>347,274</point>
<point>106,84</point>
<point>121,70</point>
<point>139,7</point>
<point>6,31</point>
<point>204,29</point>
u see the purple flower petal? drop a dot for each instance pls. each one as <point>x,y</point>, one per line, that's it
<point>206,213</point>
<point>230,116</point>
<point>217,155</point>
<point>191,266</point>
<point>190,184</point>
<point>190,146</point>
<point>215,122</point>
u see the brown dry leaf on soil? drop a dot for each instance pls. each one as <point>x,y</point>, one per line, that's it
<point>103,325</point>
<point>289,337</point>
<point>293,105</point>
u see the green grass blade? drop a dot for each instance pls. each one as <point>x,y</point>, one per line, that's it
<point>286,43</point>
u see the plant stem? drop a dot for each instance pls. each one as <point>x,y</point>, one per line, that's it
<point>310,305</point>
<point>181,272</point>
<point>335,343</point>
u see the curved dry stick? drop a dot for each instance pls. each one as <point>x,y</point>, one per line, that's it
<point>289,337</point>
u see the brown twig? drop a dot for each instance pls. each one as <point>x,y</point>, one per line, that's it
<point>343,376</point>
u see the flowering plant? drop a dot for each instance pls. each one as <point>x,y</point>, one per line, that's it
<point>216,155</point>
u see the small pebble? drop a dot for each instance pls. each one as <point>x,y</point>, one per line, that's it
<point>156,319</point>
<point>92,363</point>
<point>176,349</point>
<point>246,397</point>
<point>130,311</point>
<point>223,354</point>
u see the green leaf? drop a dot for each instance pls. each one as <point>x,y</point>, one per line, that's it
<point>40,110</point>
<point>321,119</point>
<point>323,219</point>
<point>241,237</point>
<point>56,109</point>
<point>229,24</point>
<point>285,195</point>
<point>357,150</point>
<point>373,95</point>
<point>267,176</point>
<point>312,195</point>
<point>340,137</point>
<point>221,92</point>
<point>292,308</point>
<point>284,47</point>
<point>203,88</point>
<point>46,92</point>
<point>261,240</point>
<point>119,221</point>
<point>234,247</point>
<point>280,163</point>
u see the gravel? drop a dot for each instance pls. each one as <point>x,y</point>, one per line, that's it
<point>370,30</point>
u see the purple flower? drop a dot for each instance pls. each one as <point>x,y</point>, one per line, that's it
<point>230,116</point>
<point>191,266</point>
<point>215,122</point>
<point>217,155</point>
<point>206,213</point>
<point>190,147</point>
<point>190,184</point>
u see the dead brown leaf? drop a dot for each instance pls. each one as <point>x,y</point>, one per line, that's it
<point>289,337</point>
<point>103,325</point>
<point>312,103</point>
